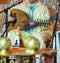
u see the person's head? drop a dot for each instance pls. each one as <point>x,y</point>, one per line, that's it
<point>32,1</point>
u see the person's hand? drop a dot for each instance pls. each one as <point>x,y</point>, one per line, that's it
<point>31,23</point>
<point>10,18</point>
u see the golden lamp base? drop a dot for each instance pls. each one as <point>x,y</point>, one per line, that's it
<point>29,51</point>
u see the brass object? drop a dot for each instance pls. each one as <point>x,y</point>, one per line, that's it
<point>5,44</point>
<point>31,44</point>
<point>1,59</point>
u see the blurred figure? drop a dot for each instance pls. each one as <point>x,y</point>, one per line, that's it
<point>36,12</point>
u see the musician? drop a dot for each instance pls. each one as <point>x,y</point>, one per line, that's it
<point>36,11</point>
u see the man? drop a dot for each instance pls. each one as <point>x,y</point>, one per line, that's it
<point>35,11</point>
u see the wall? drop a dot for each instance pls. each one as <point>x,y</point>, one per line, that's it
<point>51,3</point>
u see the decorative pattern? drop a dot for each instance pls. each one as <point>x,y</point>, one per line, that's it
<point>50,2</point>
